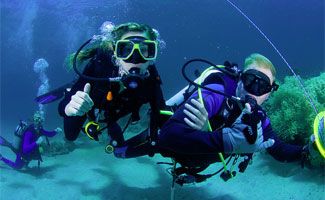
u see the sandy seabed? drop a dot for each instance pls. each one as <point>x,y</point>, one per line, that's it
<point>89,173</point>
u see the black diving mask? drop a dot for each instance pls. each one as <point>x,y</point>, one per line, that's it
<point>257,83</point>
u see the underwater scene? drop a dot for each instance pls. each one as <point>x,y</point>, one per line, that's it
<point>164,99</point>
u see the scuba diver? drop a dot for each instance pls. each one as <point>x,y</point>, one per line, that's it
<point>29,137</point>
<point>216,120</point>
<point>118,79</point>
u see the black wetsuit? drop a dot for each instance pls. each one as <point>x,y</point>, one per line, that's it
<point>124,102</point>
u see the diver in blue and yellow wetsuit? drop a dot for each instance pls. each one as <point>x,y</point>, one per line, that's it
<point>186,137</point>
<point>229,121</point>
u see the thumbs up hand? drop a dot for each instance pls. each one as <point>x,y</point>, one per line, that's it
<point>80,103</point>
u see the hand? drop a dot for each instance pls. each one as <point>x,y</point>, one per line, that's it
<point>80,103</point>
<point>198,115</point>
<point>309,152</point>
<point>40,140</point>
<point>58,130</point>
<point>311,147</point>
<point>41,149</point>
<point>235,140</point>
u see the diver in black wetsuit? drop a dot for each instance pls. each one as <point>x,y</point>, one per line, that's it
<point>128,53</point>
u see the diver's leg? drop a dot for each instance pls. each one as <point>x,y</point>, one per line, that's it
<point>18,164</point>
<point>138,139</point>
<point>4,142</point>
<point>72,126</point>
<point>145,149</point>
<point>115,131</point>
<point>136,146</point>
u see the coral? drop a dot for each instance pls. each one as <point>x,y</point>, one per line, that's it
<point>57,148</point>
<point>290,112</point>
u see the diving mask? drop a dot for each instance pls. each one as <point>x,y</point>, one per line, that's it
<point>136,46</point>
<point>257,83</point>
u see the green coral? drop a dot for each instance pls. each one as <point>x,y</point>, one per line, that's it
<point>290,112</point>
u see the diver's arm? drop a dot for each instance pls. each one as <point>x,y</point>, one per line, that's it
<point>178,137</point>
<point>73,124</point>
<point>78,86</point>
<point>48,133</point>
<point>212,101</point>
<point>28,144</point>
<point>157,103</point>
<point>282,151</point>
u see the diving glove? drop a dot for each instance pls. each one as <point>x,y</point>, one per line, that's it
<point>235,140</point>
<point>80,103</point>
<point>196,115</point>
<point>40,140</point>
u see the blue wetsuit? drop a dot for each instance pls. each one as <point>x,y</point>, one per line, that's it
<point>28,150</point>
<point>195,148</point>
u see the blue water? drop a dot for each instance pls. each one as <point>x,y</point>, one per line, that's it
<point>209,29</point>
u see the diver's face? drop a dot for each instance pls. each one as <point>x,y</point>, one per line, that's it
<point>124,66</point>
<point>38,122</point>
<point>241,92</point>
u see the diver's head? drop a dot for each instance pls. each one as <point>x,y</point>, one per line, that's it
<point>38,118</point>
<point>135,46</point>
<point>257,79</point>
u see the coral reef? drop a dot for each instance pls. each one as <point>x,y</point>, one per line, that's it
<point>57,148</point>
<point>290,112</point>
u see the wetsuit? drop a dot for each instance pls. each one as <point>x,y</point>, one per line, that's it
<point>199,148</point>
<point>28,149</point>
<point>125,102</point>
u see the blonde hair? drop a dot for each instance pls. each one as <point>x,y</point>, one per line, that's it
<point>261,61</point>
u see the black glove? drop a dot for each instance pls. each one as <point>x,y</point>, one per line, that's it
<point>251,119</point>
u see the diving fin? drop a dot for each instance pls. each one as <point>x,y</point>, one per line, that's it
<point>53,95</point>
